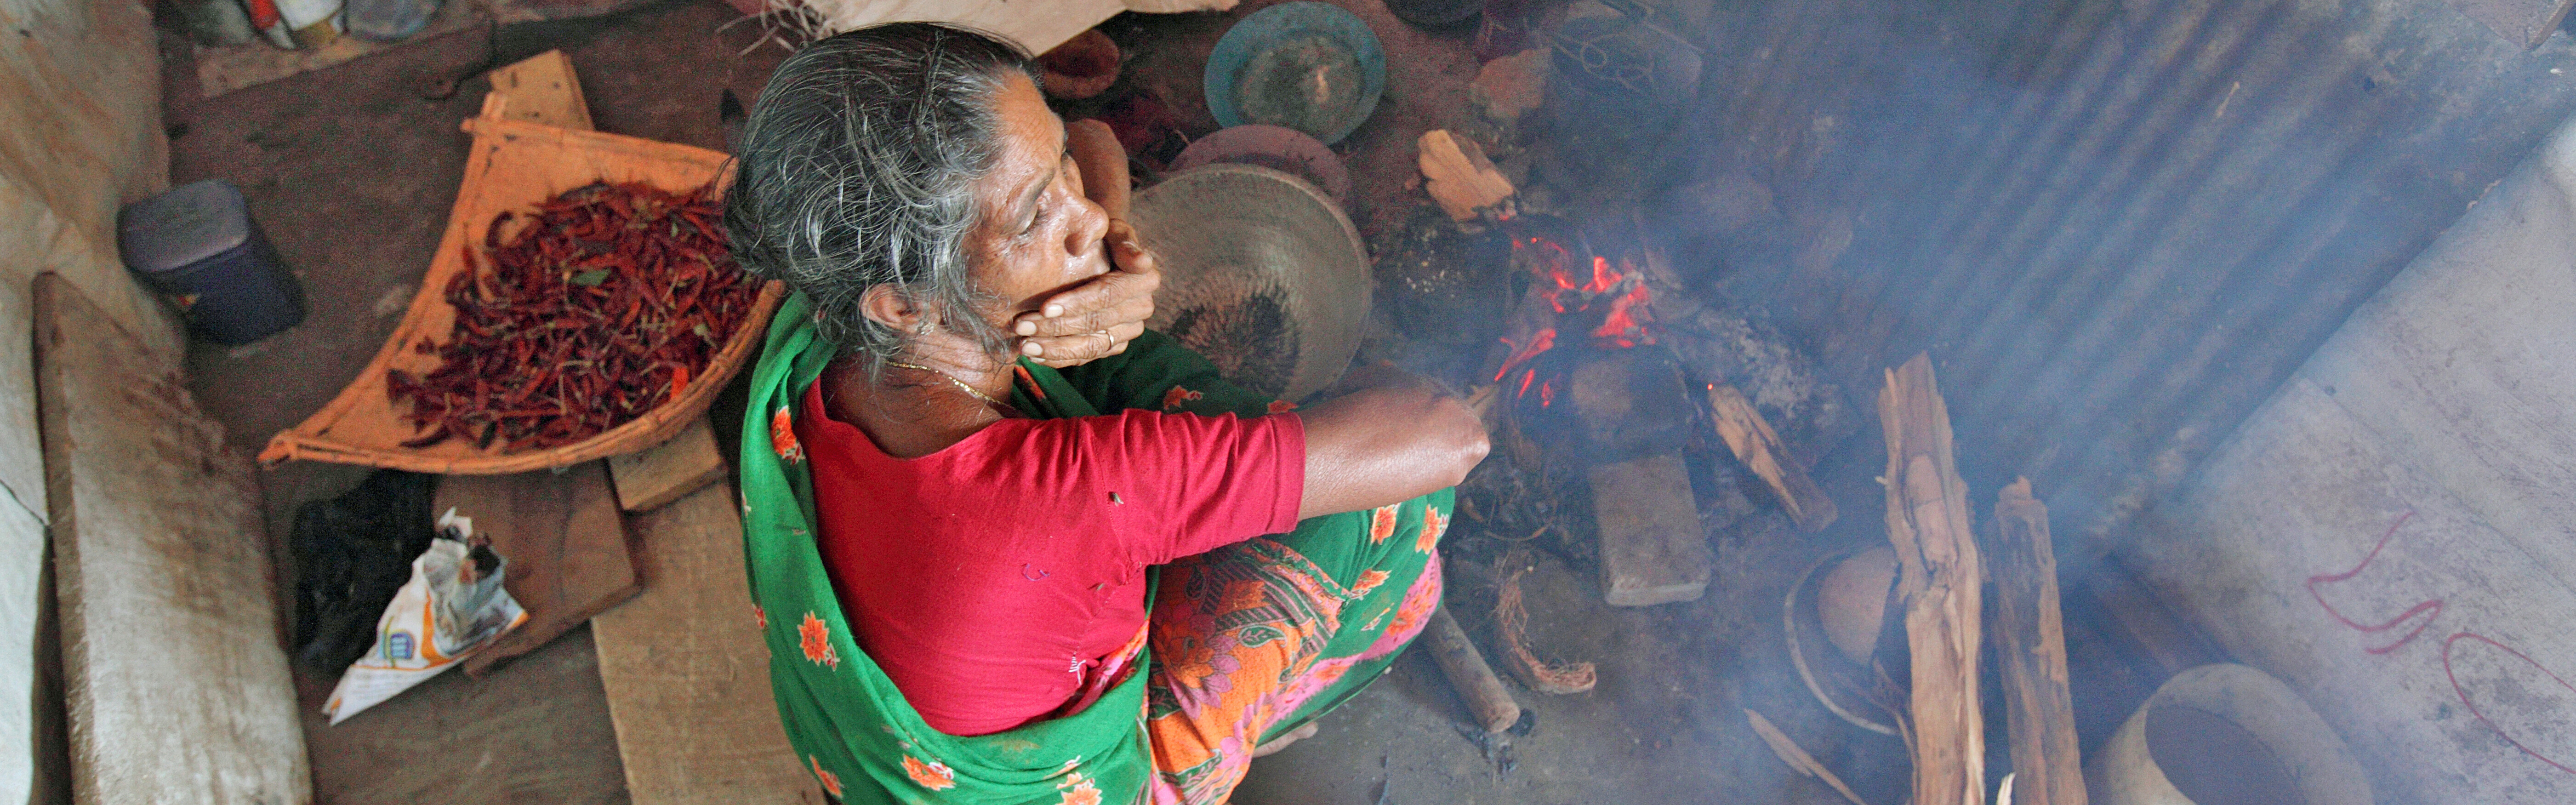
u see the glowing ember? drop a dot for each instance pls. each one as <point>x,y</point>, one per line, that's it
<point>1614,294</point>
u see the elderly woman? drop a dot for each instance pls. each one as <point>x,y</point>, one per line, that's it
<point>1006,544</point>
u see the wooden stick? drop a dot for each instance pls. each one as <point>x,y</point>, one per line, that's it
<point>2030,645</point>
<point>1758,446</point>
<point>1797,758</point>
<point>1487,700</point>
<point>1927,522</point>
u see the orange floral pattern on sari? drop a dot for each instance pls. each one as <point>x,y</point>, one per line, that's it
<point>815,637</point>
<point>782,437</point>
<point>831,782</point>
<point>1241,639</point>
<point>1382,522</point>
<point>933,775</point>
<point>1173,399</point>
<point>1369,580</point>
<point>1433,525</point>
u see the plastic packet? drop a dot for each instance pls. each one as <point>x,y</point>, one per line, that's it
<point>453,605</point>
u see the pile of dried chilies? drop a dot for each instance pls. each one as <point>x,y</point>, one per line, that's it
<point>588,313</point>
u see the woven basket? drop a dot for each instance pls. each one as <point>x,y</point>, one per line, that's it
<point>514,166</point>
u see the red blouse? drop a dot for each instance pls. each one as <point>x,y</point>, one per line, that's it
<point>991,580</point>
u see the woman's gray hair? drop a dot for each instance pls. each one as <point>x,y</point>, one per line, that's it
<point>858,168</point>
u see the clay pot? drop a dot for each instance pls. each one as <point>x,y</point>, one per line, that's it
<point>1852,602</point>
<point>1082,67</point>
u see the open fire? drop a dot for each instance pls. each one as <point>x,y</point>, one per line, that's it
<point>1611,305</point>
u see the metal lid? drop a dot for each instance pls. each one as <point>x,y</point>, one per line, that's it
<point>183,226</point>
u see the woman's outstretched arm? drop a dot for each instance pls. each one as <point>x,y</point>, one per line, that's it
<point>1397,438</point>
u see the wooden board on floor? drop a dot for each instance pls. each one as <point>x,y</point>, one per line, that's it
<point>175,675</point>
<point>650,478</point>
<point>566,543</point>
<point>2030,648</point>
<point>539,89</point>
<point>687,673</point>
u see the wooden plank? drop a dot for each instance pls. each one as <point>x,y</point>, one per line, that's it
<point>566,542</point>
<point>175,676</point>
<point>540,89</point>
<point>687,673</point>
<point>2030,647</point>
<point>654,476</point>
<point>1939,578</point>
<point>1652,550</point>
<point>1750,437</point>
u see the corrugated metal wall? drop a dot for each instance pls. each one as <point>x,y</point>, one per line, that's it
<point>2116,225</point>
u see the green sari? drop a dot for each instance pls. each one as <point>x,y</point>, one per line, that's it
<point>1355,587</point>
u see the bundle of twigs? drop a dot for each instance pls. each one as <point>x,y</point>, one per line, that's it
<point>598,307</point>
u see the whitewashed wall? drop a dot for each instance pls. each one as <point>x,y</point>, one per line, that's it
<point>2439,420</point>
<point>80,132</point>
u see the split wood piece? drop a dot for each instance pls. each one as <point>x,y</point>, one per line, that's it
<point>1487,700</point>
<point>1939,581</point>
<point>2030,647</point>
<point>1652,549</point>
<point>541,89</point>
<point>1460,177</point>
<point>649,478</point>
<point>1796,757</point>
<point>565,541</point>
<point>173,673</point>
<point>686,672</point>
<point>1753,441</point>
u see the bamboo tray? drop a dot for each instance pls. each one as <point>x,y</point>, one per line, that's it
<point>514,166</point>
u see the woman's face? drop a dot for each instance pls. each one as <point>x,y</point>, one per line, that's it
<point>1038,234</point>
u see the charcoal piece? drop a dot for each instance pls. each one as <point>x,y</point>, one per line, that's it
<point>352,553</point>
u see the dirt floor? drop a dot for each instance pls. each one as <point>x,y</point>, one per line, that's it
<point>351,170</point>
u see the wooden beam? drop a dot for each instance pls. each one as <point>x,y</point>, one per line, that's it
<point>687,673</point>
<point>2030,648</point>
<point>174,669</point>
<point>649,478</point>
<point>1753,441</point>
<point>1939,579</point>
<point>541,89</point>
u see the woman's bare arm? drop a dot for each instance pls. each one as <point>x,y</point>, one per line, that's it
<point>1400,438</point>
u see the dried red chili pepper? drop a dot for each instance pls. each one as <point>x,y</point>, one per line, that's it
<point>581,316</point>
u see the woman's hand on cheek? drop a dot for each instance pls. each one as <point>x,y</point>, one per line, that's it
<point>1097,318</point>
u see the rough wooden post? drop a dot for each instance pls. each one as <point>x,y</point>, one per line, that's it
<point>1939,578</point>
<point>2030,647</point>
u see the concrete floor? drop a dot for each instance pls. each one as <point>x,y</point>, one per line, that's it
<point>352,169</point>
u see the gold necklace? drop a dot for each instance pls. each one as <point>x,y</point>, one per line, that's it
<point>988,399</point>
